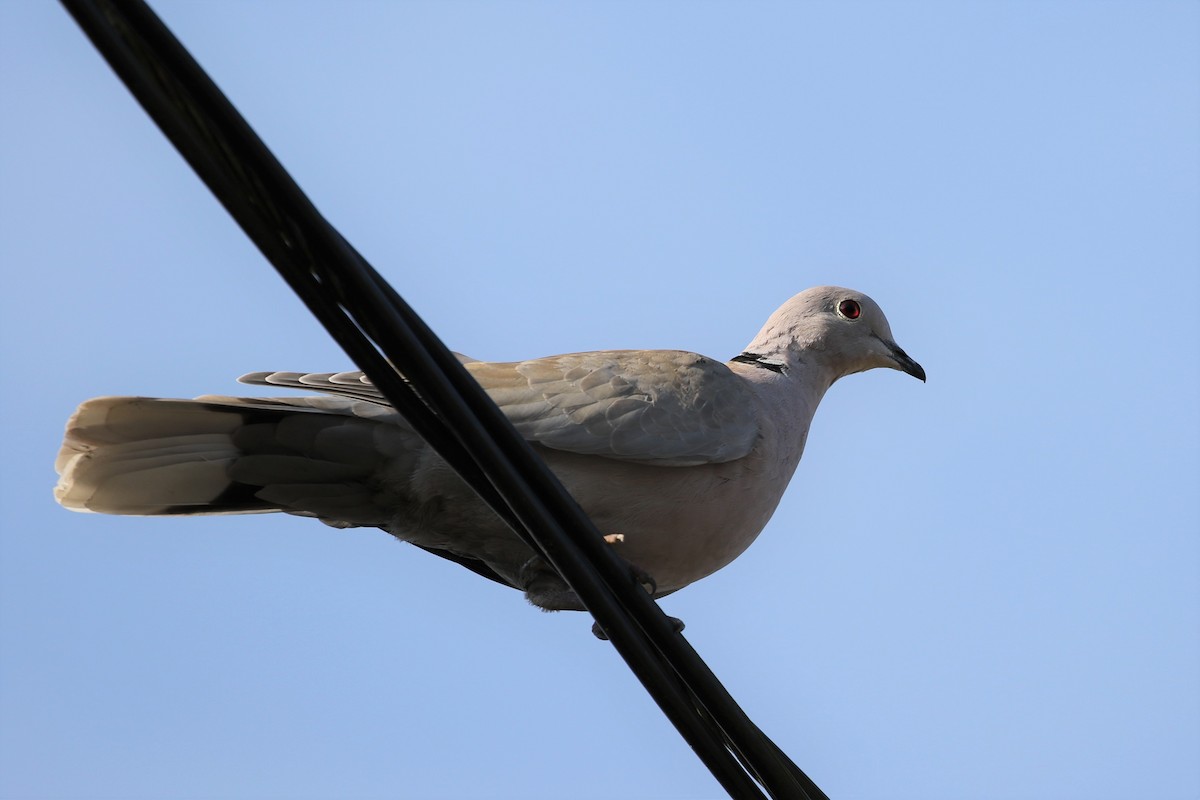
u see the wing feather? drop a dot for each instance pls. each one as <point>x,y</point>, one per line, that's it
<point>666,407</point>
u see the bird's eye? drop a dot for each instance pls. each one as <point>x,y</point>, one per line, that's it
<point>850,309</point>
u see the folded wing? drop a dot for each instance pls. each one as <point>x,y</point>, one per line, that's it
<point>665,407</point>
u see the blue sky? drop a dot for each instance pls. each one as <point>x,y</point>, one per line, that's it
<point>984,587</point>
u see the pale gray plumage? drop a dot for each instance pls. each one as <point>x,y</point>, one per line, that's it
<point>683,456</point>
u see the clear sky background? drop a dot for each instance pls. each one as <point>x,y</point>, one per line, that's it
<point>987,586</point>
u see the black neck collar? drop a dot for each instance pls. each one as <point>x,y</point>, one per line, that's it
<point>759,361</point>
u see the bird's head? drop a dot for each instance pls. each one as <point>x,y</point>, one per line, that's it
<point>841,330</point>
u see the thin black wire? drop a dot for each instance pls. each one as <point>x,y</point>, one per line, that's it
<point>450,410</point>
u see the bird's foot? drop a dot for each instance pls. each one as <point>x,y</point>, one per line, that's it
<point>599,633</point>
<point>641,576</point>
<point>545,589</point>
<point>637,573</point>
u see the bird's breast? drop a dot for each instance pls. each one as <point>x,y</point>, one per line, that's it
<point>679,524</point>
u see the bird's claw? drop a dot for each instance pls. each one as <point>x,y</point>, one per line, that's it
<point>546,589</point>
<point>599,633</point>
<point>637,573</point>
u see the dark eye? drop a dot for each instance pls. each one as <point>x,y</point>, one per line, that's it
<point>850,309</point>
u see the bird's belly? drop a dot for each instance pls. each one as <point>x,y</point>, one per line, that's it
<point>678,524</point>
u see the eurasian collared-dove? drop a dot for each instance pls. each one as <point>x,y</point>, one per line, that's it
<point>680,459</point>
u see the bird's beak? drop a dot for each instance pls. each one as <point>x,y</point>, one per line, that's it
<point>906,364</point>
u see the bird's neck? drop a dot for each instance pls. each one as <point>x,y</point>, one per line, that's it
<point>789,396</point>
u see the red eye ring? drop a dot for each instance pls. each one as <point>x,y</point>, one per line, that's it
<point>850,309</point>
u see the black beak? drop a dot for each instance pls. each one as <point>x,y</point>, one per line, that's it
<point>905,363</point>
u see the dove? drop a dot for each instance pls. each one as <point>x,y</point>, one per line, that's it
<point>679,459</point>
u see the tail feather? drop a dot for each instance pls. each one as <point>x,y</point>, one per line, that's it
<point>145,456</point>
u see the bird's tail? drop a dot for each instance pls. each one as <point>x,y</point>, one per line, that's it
<point>216,455</point>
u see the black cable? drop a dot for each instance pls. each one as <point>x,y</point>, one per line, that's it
<point>365,315</point>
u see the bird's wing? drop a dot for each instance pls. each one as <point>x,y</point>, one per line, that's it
<point>355,385</point>
<point>665,407</point>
